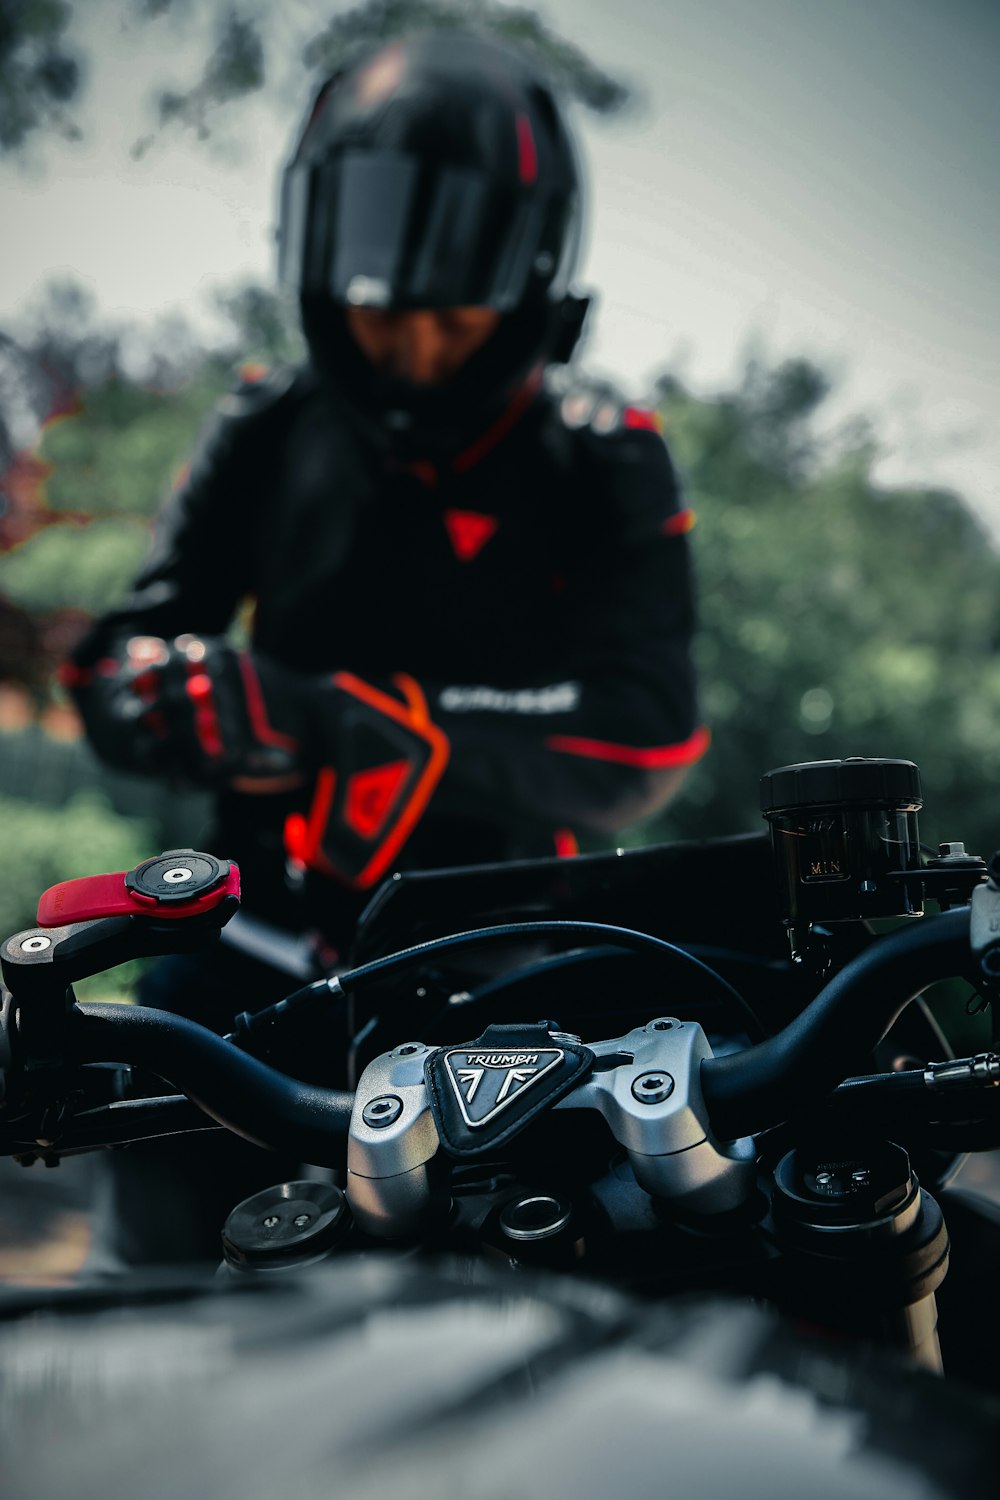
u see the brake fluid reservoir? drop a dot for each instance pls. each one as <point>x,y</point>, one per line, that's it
<point>845,837</point>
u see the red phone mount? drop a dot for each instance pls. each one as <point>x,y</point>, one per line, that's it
<point>179,883</point>
<point>177,902</point>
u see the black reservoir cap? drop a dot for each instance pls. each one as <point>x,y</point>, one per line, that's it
<point>856,781</point>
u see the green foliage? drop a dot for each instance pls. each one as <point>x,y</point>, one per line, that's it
<point>38,76</point>
<point>114,456</point>
<point>121,452</point>
<point>264,326</point>
<point>74,567</point>
<point>43,845</point>
<point>838,618</point>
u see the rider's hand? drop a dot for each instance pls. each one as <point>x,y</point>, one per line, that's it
<point>198,709</point>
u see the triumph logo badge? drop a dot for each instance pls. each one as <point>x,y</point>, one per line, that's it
<point>487,1082</point>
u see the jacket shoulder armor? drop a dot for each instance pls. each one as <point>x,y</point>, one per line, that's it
<point>589,405</point>
<point>259,389</point>
<point>623,461</point>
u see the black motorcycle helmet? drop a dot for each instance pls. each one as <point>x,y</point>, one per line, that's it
<point>435,172</point>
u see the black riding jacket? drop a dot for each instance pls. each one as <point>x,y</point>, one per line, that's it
<point>536,585</point>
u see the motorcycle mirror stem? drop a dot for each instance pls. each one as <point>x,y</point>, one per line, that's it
<point>176,902</point>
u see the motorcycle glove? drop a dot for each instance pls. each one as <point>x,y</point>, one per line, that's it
<point>195,708</point>
<point>384,758</point>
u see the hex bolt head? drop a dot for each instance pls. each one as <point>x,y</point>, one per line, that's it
<point>408,1049</point>
<point>383,1111</point>
<point>36,944</point>
<point>652,1088</point>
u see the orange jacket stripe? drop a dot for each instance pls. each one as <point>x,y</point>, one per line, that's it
<point>414,714</point>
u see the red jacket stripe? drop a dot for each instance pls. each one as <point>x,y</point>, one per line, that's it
<point>654,758</point>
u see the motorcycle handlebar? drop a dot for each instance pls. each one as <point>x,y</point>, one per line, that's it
<point>247,1096</point>
<point>747,1092</point>
<point>744,1092</point>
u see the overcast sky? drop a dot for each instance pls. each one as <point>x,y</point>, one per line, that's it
<point>819,174</point>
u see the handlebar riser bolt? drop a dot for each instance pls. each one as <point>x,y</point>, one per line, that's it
<point>272,1221</point>
<point>652,1088</point>
<point>37,944</point>
<point>408,1049</point>
<point>383,1111</point>
<point>663,1026</point>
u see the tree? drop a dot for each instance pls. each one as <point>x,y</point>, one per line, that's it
<point>39,74</point>
<point>838,617</point>
<point>252,42</point>
<point>114,435</point>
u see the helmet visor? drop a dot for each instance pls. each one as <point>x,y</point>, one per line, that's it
<point>386,230</point>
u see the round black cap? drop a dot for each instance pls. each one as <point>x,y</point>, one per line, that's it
<point>854,782</point>
<point>285,1224</point>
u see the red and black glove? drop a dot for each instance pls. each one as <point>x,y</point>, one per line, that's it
<point>382,758</point>
<point>198,709</point>
<point>213,716</point>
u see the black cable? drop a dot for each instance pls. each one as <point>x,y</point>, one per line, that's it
<point>623,937</point>
<point>492,989</point>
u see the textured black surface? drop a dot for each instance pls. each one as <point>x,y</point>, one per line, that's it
<point>385,1376</point>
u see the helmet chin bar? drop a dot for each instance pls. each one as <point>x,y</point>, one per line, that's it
<point>443,418</point>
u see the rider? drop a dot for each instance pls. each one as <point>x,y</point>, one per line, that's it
<point>470,605</point>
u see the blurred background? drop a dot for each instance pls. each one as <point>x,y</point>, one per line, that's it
<point>793,227</point>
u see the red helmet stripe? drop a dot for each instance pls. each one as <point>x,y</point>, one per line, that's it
<point>527,154</point>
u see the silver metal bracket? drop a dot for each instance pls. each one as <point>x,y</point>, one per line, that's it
<point>652,1101</point>
<point>389,1151</point>
<point>646,1085</point>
